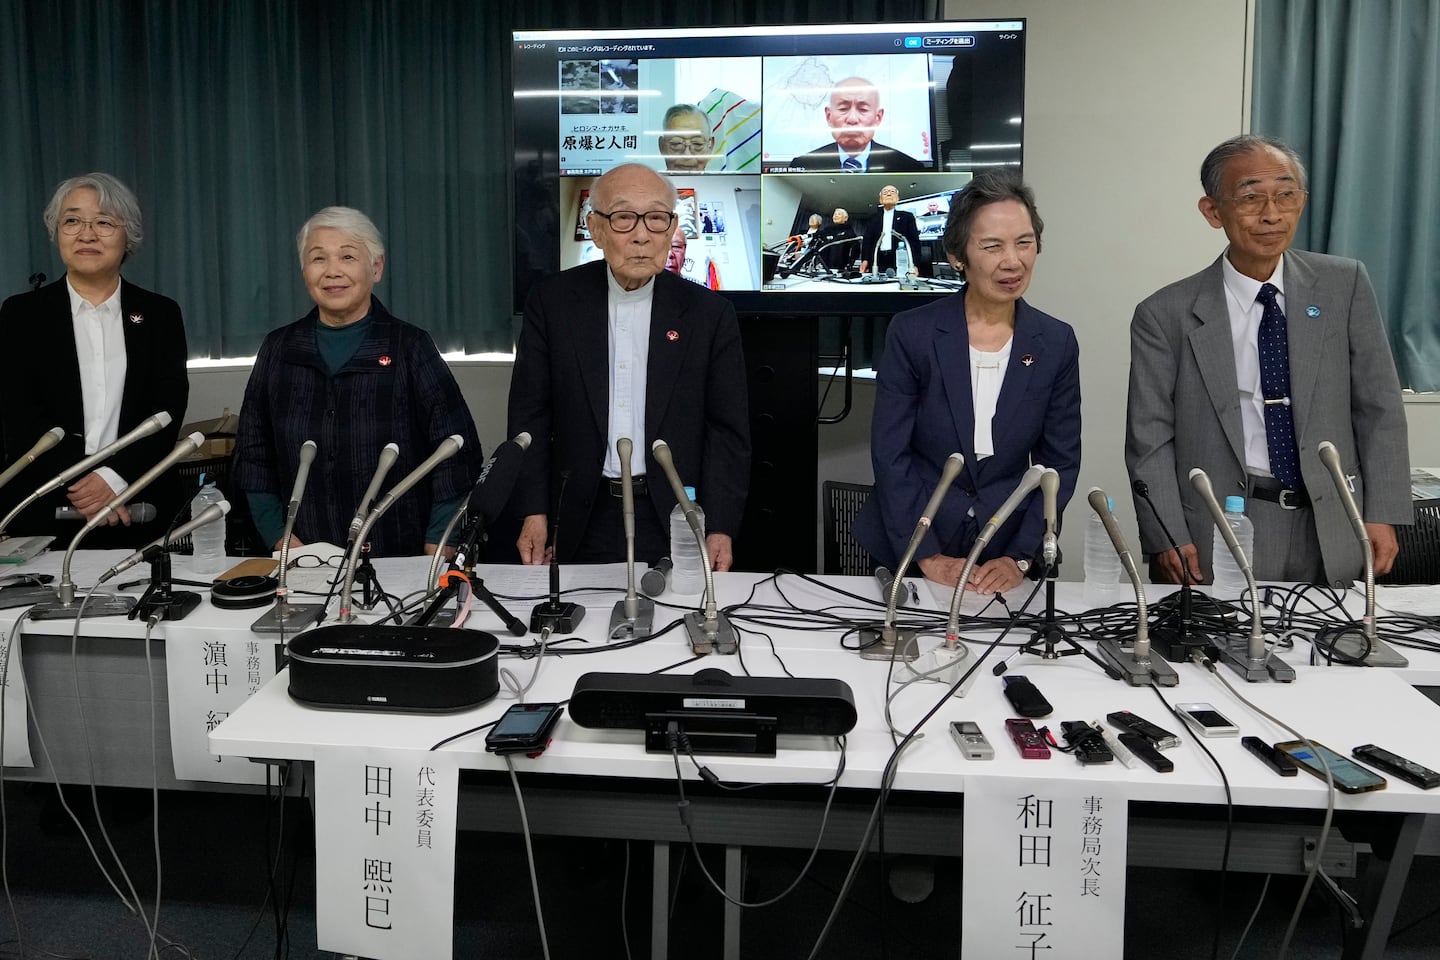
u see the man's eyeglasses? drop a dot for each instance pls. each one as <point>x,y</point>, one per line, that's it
<point>623,221</point>
<point>685,144</point>
<point>310,561</point>
<point>103,226</point>
<point>1286,201</point>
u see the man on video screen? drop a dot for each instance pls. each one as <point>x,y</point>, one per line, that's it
<point>853,113</point>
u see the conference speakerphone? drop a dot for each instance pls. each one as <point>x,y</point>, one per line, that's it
<point>405,669</point>
<point>713,711</point>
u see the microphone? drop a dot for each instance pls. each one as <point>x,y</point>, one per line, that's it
<point>1135,665</point>
<point>1050,491</point>
<point>1254,663</point>
<point>655,580</point>
<point>51,437</point>
<point>388,455</point>
<point>447,449</point>
<point>150,425</point>
<point>65,592</point>
<point>633,616</point>
<point>139,513</point>
<point>1175,646</point>
<point>1029,480</point>
<point>489,496</point>
<point>889,643</point>
<point>284,614</point>
<point>710,631</point>
<point>1330,457</point>
<point>215,511</point>
<point>551,614</point>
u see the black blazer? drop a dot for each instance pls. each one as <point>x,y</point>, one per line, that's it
<point>695,399</point>
<point>904,225</point>
<point>43,391</point>
<point>882,159</point>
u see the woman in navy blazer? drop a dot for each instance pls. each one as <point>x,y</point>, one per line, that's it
<point>951,359</point>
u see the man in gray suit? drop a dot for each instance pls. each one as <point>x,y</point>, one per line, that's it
<point>1208,388</point>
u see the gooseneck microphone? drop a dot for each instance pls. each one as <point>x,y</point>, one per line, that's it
<point>216,511</point>
<point>286,615</point>
<point>65,607</point>
<point>1175,644</point>
<point>1374,651</point>
<point>890,643</point>
<point>1136,664</point>
<point>1029,480</point>
<point>1050,492</point>
<point>388,455</point>
<point>445,450</point>
<point>1253,661</point>
<point>655,580</point>
<point>552,616</point>
<point>633,616</point>
<point>709,630</point>
<point>47,440</point>
<point>150,425</point>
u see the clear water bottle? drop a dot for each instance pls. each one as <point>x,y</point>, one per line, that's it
<point>208,558</point>
<point>903,264</point>
<point>1103,572</point>
<point>1229,583</point>
<point>688,574</point>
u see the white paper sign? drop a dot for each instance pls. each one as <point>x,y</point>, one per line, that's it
<point>385,852</point>
<point>1044,869</point>
<point>17,722</point>
<point>208,675</point>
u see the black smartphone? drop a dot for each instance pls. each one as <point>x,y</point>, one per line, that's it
<point>524,728</point>
<point>1348,775</point>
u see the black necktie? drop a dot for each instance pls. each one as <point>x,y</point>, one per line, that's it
<point>1275,386</point>
<point>851,165</point>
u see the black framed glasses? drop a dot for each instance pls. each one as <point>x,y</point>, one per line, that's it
<point>1253,202</point>
<point>623,221</point>
<point>310,561</point>
<point>103,226</point>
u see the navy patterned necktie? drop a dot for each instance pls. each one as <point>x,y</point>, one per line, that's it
<point>851,165</point>
<point>1275,386</point>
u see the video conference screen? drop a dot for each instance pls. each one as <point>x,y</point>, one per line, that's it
<point>785,146</point>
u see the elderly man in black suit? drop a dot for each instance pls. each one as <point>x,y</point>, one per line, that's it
<point>624,349</point>
<point>853,113</point>
<point>97,355</point>
<point>885,231</point>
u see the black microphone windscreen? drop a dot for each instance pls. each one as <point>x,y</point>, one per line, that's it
<point>497,481</point>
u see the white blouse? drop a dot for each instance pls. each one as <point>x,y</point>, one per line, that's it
<point>987,375</point>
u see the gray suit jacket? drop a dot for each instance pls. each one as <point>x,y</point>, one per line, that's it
<point>1184,405</point>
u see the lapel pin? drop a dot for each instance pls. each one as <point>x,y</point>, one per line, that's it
<point>672,335</point>
<point>137,318</point>
<point>1312,311</point>
<point>384,361</point>
<point>1028,359</point>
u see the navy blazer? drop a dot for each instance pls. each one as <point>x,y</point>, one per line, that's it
<point>924,412</point>
<point>696,399</point>
<point>43,391</point>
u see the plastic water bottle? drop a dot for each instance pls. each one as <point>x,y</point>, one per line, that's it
<point>688,575</point>
<point>903,265</point>
<point>1103,571</point>
<point>1229,582</point>
<point>208,558</point>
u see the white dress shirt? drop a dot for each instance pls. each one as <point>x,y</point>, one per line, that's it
<point>987,376</point>
<point>100,350</point>
<point>887,223</point>
<point>629,360</point>
<point>1245,315</point>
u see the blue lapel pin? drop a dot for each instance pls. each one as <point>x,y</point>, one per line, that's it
<point>1312,311</point>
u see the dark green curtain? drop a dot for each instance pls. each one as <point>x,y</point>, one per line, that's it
<point>1354,86</point>
<point>234,121</point>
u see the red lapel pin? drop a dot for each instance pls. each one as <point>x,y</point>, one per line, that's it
<point>1027,359</point>
<point>384,361</point>
<point>672,335</point>
<point>137,318</point>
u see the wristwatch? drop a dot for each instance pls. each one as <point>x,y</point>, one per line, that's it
<point>1024,566</point>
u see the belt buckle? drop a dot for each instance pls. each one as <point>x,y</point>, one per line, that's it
<point>1284,500</point>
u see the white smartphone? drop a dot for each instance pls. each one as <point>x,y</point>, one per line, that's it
<point>1205,720</point>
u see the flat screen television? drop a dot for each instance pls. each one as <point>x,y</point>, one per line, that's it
<point>761,128</point>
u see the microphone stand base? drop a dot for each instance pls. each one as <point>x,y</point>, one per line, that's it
<point>178,605</point>
<point>25,596</point>
<point>557,617</point>
<point>1351,646</point>
<point>624,628</point>
<point>1236,656</point>
<point>1176,645</point>
<point>703,641</point>
<point>874,646</point>
<point>1137,673</point>
<point>100,606</point>
<point>947,665</point>
<point>296,617</point>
